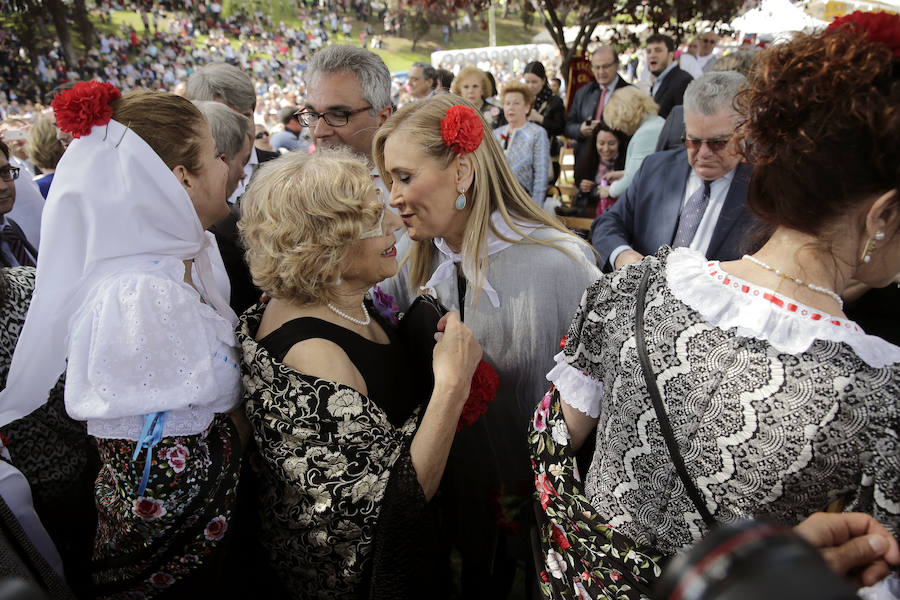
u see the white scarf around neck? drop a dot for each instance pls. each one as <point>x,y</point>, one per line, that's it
<point>447,267</point>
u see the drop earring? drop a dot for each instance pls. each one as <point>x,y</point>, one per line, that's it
<point>461,200</point>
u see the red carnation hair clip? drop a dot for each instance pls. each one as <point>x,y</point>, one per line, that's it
<point>880,27</point>
<point>462,129</point>
<point>77,110</point>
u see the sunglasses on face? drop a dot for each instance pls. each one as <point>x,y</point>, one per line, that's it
<point>262,134</point>
<point>714,144</point>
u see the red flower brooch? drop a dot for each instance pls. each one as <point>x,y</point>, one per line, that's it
<point>462,129</point>
<point>482,392</point>
<point>78,109</point>
<point>878,26</point>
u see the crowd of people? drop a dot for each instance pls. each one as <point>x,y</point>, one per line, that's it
<point>322,372</point>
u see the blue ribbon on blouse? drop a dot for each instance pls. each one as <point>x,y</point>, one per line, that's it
<point>151,434</point>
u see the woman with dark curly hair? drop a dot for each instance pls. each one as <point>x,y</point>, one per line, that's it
<point>725,391</point>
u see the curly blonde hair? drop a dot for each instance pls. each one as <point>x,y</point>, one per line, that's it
<point>300,216</point>
<point>465,73</point>
<point>627,108</point>
<point>517,87</point>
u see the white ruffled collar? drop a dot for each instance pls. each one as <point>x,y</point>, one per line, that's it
<point>754,311</point>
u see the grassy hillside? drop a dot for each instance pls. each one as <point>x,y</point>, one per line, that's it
<point>397,54</point>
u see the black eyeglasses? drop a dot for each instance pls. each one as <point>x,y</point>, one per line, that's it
<point>715,144</point>
<point>262,134</point>
<point>335,118</point>
<point>9,173</point>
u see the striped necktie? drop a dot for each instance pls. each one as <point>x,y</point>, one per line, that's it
<point>16,244</point>
<point>691,215</point>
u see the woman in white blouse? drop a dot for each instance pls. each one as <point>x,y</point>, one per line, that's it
<point>777,405</point>
<point>131,301</point>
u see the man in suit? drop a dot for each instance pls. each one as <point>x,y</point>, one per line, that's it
<point>348,98</point>
<point>590,100</point>
<point>15,251</point>
<point>227,84</point>
<point>669,81</point>
<point>693,197</point>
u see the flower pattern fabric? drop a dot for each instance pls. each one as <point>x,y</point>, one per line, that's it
<point>338,493</point>
<point>584,557</point>
<point>52,450</point>
<point>764,433</point>
<point>174,534</point>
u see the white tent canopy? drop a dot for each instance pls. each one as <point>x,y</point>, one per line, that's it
<point>774,17</point>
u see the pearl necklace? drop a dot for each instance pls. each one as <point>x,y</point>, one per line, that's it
<point>812,286</point>
<point>341,313</point>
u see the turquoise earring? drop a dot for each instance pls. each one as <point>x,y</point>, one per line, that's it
<point>460,201</point>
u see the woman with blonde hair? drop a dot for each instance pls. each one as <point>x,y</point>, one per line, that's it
<point>483,247</point>
<point>632,112</point>
<point>524,142</point>
<point>474,85</point>
<point>44,151</point>
<point>350,453</point>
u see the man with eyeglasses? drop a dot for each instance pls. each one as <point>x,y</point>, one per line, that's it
<point>348,99</point>
<point>15,251</point>
<point>693,196</point>
<point>703,62</point>
<point>590,100</point>
<point>291,139</point>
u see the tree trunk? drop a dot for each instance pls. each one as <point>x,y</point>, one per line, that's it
<point>57,12</point>
<point>85,27</point>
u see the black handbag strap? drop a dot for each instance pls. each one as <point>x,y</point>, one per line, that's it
<point>664,425</point>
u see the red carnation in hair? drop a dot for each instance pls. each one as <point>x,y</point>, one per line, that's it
<point>484,388</point>
<point>878,26</point>
<point>87,104</point>
<point>462,129</point>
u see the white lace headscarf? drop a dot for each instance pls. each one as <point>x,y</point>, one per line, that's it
<point>114,204</point>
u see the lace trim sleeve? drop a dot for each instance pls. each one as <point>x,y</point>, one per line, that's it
<point>145,343</point>
<point>578,390</point>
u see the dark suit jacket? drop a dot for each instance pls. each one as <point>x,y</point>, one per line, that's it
<point>646,216</point>
<point>265,155</point>
<point>673,131</point>
<point>243,293</point>
<point>31,249</point>
<point>671,90</point>
<point>584,105</point>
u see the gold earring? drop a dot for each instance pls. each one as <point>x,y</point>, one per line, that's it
<point>871,246</point>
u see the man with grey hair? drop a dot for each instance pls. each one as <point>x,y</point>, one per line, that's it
<point>422,80</point>
<point>348,98</point>
<point>227,84</point>
<point>590,100</point>
<point>693,196</point>
<point>230,133</point>
<point>230,87</point>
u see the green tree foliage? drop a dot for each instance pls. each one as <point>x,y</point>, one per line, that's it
<point>676,17</point>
